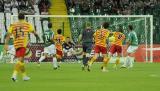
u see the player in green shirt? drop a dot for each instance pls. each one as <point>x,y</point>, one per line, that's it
<point>132,46</point>
<point>49,47</point>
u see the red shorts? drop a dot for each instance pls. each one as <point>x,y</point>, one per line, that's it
<point>59,53</point>
<point>115,48</point>
<point>20,52</point>
<point>100,49</point>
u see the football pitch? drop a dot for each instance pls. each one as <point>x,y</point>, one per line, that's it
<point>70,77</point>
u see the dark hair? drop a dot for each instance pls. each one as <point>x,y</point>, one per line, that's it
<point>49,25</point>
<point>21,16</point>
<point>59,31</point>
<point>105,25</point>
<point>130,27</point>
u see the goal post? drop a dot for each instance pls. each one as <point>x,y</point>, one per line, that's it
<point>143,25</point>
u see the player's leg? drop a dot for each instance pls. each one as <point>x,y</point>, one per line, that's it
<point>119,53</point>
<point>84,56</point>
<point>19,66</point>
<point>103,50</point>
<point>43,56</point>
<point>53,53</point>
<point>130,58</point>
<point>111,52</point>
<point>97,51</point>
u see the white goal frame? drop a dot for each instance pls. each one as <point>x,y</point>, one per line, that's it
<point>109,16</point>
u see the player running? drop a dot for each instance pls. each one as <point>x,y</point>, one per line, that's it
<point>59,40</point>
<point>20,31</point>
<point>100,37</point>
<point>87,42</point>
<point>49,47</point>
<point>132,46</point>
<point>116,45</point>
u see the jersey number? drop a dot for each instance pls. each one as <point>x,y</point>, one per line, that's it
<point>120,36</point>
<point>19,32</point>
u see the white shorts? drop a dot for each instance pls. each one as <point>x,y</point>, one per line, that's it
<point>50,50</point>
<point>69,51</point>
<point>132,49</point>
<point>11,50</point>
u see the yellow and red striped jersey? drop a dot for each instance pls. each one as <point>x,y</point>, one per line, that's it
<point>59,40</point>
<point>119,37</point>
<point>20,31</point>
<point>100,37</point>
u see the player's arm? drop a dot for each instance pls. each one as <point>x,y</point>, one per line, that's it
<point>7,37</point>
<point>6,41</point>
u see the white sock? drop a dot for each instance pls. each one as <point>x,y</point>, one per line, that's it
<point>131,61</point>
<point>41,58</point>
<point>55,62</point>
<point>127,61</point>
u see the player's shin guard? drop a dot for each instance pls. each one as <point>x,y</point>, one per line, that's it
<point>55,62</point>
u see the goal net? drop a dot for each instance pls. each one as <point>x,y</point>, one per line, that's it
<point>73,25</point>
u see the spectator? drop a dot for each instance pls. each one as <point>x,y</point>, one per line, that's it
<point>85,9</point>
<point>1,6</point>
<point>44,6</point>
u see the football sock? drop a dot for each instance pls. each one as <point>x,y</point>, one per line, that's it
<point>91,61</point>
<point>55,62</point>
<point>105,61</point>
<point>84,60</point>
<point>16,69</point>
<point>23,70</point>
<point>117,60</point>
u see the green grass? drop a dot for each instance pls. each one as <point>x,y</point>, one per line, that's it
<point>143,77</point>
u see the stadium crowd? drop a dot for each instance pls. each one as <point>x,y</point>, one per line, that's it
<point>26,6</point>
<point>126,7</point>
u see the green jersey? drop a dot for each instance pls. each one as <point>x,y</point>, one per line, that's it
<point>132,38</point>
<point>48,38</point>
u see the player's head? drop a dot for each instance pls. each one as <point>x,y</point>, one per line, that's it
<point>49,25</point>
<point>130,27</point>
<point>59,31</point>
<point>21,16</point>
<point>105,25</point>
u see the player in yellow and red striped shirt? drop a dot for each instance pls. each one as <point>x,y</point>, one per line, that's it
<point>116,45</point>
<point>100,37</point>
<point>59,40</point>
<point>20,31</point>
